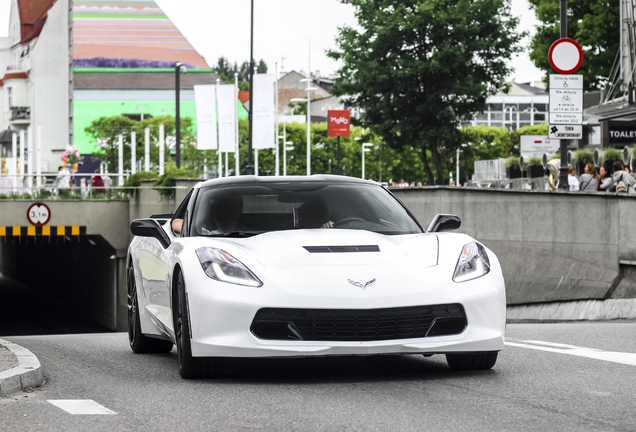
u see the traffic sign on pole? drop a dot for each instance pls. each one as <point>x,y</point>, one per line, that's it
<point>566,56</point>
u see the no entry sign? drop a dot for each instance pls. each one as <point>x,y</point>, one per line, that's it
<point>339,123</point>
<point>566,56</point>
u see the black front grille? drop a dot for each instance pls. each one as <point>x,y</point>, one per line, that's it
<point>359,324</point>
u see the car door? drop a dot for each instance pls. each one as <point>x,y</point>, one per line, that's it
<point>156,264</point>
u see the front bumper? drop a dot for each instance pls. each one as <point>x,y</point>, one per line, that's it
<point>221,316</point>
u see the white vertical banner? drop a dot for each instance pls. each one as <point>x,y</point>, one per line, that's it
<point>147,152</point>
<point>133,152</point>
<point>263,111</point>
<point>227,125</point>
<point>161,149</point>
<point>205,102</point>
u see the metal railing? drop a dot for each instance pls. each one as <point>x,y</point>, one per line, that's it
<point>26,187</point>
<point>20,113</point>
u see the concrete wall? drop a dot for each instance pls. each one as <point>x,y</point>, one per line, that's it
<point>552,246</point>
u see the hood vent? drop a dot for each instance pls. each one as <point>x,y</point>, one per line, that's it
<point>342,249</point>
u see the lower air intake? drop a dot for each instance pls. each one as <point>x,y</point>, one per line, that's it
<point>359,324</point>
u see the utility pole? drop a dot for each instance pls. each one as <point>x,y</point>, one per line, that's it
<point>564,184</point>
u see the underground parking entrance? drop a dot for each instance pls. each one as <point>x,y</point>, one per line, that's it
<point>57,280</point>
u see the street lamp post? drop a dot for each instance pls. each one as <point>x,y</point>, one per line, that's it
<point>365,148</point>
<point>250,156</point>
<point>177,89</point>
<point>308,89</point>
<point>285,148</point>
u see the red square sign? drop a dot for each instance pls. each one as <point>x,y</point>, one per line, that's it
<point>339,123</point>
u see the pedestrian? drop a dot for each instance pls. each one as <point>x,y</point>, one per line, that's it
<point>589,180</point>
<point>620,176</point>
<point>572,180</point>
<point>98,183</point>
<point>64,178</point>
<point>605,181</point>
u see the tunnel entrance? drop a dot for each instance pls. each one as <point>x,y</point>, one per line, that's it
<point>57,285</point>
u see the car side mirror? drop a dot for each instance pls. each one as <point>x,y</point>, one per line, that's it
<point>444,222</point>
<point>150,228</point>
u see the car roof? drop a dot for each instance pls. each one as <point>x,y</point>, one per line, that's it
<point>316,178</point>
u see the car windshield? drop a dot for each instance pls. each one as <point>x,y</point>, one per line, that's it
<point>251,209</point>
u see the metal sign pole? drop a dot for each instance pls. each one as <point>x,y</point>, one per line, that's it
<point>564,184</point>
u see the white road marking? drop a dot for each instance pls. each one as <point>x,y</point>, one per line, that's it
<point>596,354</point>
<point>80,406</point>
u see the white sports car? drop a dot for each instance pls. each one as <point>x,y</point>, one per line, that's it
<point>309,266</point>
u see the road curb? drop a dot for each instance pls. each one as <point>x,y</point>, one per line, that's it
<point>28,372</point>
<point>581,310</point>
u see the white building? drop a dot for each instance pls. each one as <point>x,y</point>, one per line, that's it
<point>525,104</point>
<point>36,71</point>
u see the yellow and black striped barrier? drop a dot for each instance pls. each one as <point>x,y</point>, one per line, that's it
<point>51,232</point>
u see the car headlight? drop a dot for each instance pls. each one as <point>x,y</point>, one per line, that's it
<point>472,264</point>
<point>221,266</point>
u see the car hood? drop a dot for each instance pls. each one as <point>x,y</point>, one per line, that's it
<point>284,250</point>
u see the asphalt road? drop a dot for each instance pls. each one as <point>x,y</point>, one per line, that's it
<point>537,384</point>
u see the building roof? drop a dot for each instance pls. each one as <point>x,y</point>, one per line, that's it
<point>128,34</point>
<point>139,79</point>
<point>30,12</point>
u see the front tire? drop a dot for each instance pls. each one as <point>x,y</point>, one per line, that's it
<point>189,366</point>
<point>478,361</point>
<point>140,343</point>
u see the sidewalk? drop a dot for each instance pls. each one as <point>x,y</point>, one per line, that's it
<point>19,368</point>
<point>8,360</point>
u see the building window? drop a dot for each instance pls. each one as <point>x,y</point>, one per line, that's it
<point>10,97</point>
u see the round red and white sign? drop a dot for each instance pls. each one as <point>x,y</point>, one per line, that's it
<point>566,56</point>
<point>38,214</point>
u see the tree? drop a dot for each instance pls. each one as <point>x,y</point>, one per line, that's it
<point>419,69</point>
<point>226,72</point>
<point>594,24</point>
<point>485,143</point>
<point>106,131</point>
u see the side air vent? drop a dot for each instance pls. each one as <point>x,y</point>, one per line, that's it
<point>342,249</point>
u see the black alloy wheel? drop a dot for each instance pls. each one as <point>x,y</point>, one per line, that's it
<point>140,343</point>
<point>189,366</point>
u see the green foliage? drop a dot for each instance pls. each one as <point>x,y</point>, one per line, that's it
<point>583,156</point>
<point>512,162</point>
<point>484,143</point>
<point>106,130</point>
<point>3,196</point>
<point>594,24</point>
<point>418,70</point>
<point>226,72</point>
<point>168,179</point>
<point>535,161</point>
<point>134,180</point>
<point>300,108</point>
<point>538,129</point>
<point>612,155</point>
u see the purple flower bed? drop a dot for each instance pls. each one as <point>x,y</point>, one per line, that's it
<point>102,62</point>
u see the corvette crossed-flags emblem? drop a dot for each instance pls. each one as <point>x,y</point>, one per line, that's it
<point>358,284</point>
